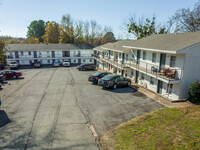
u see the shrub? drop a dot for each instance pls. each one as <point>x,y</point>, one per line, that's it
<point>194,92</point>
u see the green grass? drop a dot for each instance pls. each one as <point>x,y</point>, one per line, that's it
<point>168,128</point>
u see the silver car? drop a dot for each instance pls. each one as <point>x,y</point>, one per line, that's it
<point>56,64</point>
<point>66,63</point>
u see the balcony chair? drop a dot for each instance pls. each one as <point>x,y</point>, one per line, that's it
<point>154,69</point>
<point>171,73</point>
<point>164,71</point>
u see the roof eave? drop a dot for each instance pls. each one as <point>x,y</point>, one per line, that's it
<point>153,50</point>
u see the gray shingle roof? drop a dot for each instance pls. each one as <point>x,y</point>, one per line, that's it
<point>169,42</point>
<point>114,46</point>
<point>46,47</point>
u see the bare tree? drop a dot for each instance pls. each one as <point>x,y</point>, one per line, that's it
<point>187,20</point>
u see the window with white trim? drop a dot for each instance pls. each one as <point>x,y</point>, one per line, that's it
<point>22,53</point>
<point>172,61</point>
<point>144,55</point>
<point>29,53</point>
<point>153,57</point>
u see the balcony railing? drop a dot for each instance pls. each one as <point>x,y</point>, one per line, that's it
<point>163,72</point>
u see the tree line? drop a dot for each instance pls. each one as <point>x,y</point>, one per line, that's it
<point>69,31</point>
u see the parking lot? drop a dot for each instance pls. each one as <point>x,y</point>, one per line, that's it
<point>57,108</point>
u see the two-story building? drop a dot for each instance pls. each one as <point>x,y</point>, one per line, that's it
<point>26,54</point>
<point>164,63</point>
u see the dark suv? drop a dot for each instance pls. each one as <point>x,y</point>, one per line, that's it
<point>114,81</point>
<point>2,66</point>
<point>96,76</point>
<point>84,67</point>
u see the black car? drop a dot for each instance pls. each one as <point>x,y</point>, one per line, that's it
<point>2,66</point>
<point>96,76</point>
<point>2,77</point>
<point>84,67</point>
<point>37,64</point>
<point>114,81</point>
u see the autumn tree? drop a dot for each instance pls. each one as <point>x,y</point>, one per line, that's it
<point>33,40</point>
<point>186,20</point>
<point>36,29</point>
<point>52,33</point>
<point>2,53</point>
<point>143,27</point>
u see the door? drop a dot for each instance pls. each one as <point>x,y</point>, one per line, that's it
<point>79,54</point>
<point>53,53</point>
<point>16,54</point>
<point>123,57</point>
<point>160,86</point>
<point>162,61</point>
<point>136,77</point>
<point>138,56</point>
<point>35,54</point>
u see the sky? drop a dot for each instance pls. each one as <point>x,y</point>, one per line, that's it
<point>16,15</point>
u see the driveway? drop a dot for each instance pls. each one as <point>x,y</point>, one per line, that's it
<point>55,108</point>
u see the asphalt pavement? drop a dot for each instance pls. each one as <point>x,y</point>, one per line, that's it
<point>57,108</point>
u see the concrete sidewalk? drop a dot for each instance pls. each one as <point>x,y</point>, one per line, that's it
<point>160,99</point>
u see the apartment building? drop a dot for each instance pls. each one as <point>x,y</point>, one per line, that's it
<point>164,63</point>
<point>26,54</point>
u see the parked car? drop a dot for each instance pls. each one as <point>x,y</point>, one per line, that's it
<point>11,74</point>
<point>14,65</point>
<point>96,76</point>
<point>56,63</point>
<point>114,81</point>
<point>2,66</point>
<point>84,67</point>
<point>37,64</point>
<point>2,78</point>
<point>66,63</point>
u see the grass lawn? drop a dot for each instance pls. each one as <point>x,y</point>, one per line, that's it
<point>168,128</point>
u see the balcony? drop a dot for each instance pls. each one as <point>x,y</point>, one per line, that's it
<point>115,62</point>
<point>165,73</point>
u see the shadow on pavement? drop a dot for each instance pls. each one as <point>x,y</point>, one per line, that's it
<point>122,90</point>
<point>4,120</point>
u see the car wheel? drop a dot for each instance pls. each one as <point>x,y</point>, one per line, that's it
<point>129,83</point>
<point>114,86</point>
<point>15,77</point>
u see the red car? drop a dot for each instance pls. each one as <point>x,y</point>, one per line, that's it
<point>11,74</point>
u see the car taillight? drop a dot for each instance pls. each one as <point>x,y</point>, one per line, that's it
<point>95,77</point>
<point>89,76</point>
<point>109,81</point>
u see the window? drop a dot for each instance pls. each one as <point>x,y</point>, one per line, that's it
<point>120,55</point>
<point>74,60</point>
<point>144,55</point>
<point>153,57</point>
<point>152,80</point>
<point>132,72</point>
<point>83,60</point>
<point>48,61</point>
<point>74,52</point>
<point>126,57</point>
<point>90,60</point>
<point>142,77</point>
<point>169,88</point>
<point>29,53</point>
<point>111,53</point>
<point>22,53</point>
<point>172,61</point>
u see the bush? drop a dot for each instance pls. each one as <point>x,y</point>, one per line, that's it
<point>194,92</point>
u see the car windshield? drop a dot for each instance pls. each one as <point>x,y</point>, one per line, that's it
<point>13,62</point>
<point>109,77</point>
<point>66,61</point>
<point>96,74</point>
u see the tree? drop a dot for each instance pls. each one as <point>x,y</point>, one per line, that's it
<point>36,29</point>
<point>2,53</point>
<point>108,37</point>
<point>33,40</point>
<point>187,20</point>
<point>52,33</point>
<point>194,92</point>
<point>143,28</point>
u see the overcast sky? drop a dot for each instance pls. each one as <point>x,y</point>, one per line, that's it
<point>16,15</point>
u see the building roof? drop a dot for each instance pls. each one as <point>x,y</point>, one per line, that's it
<point>168,42</point>
<point>114,46</point>
<point>47,47</point>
